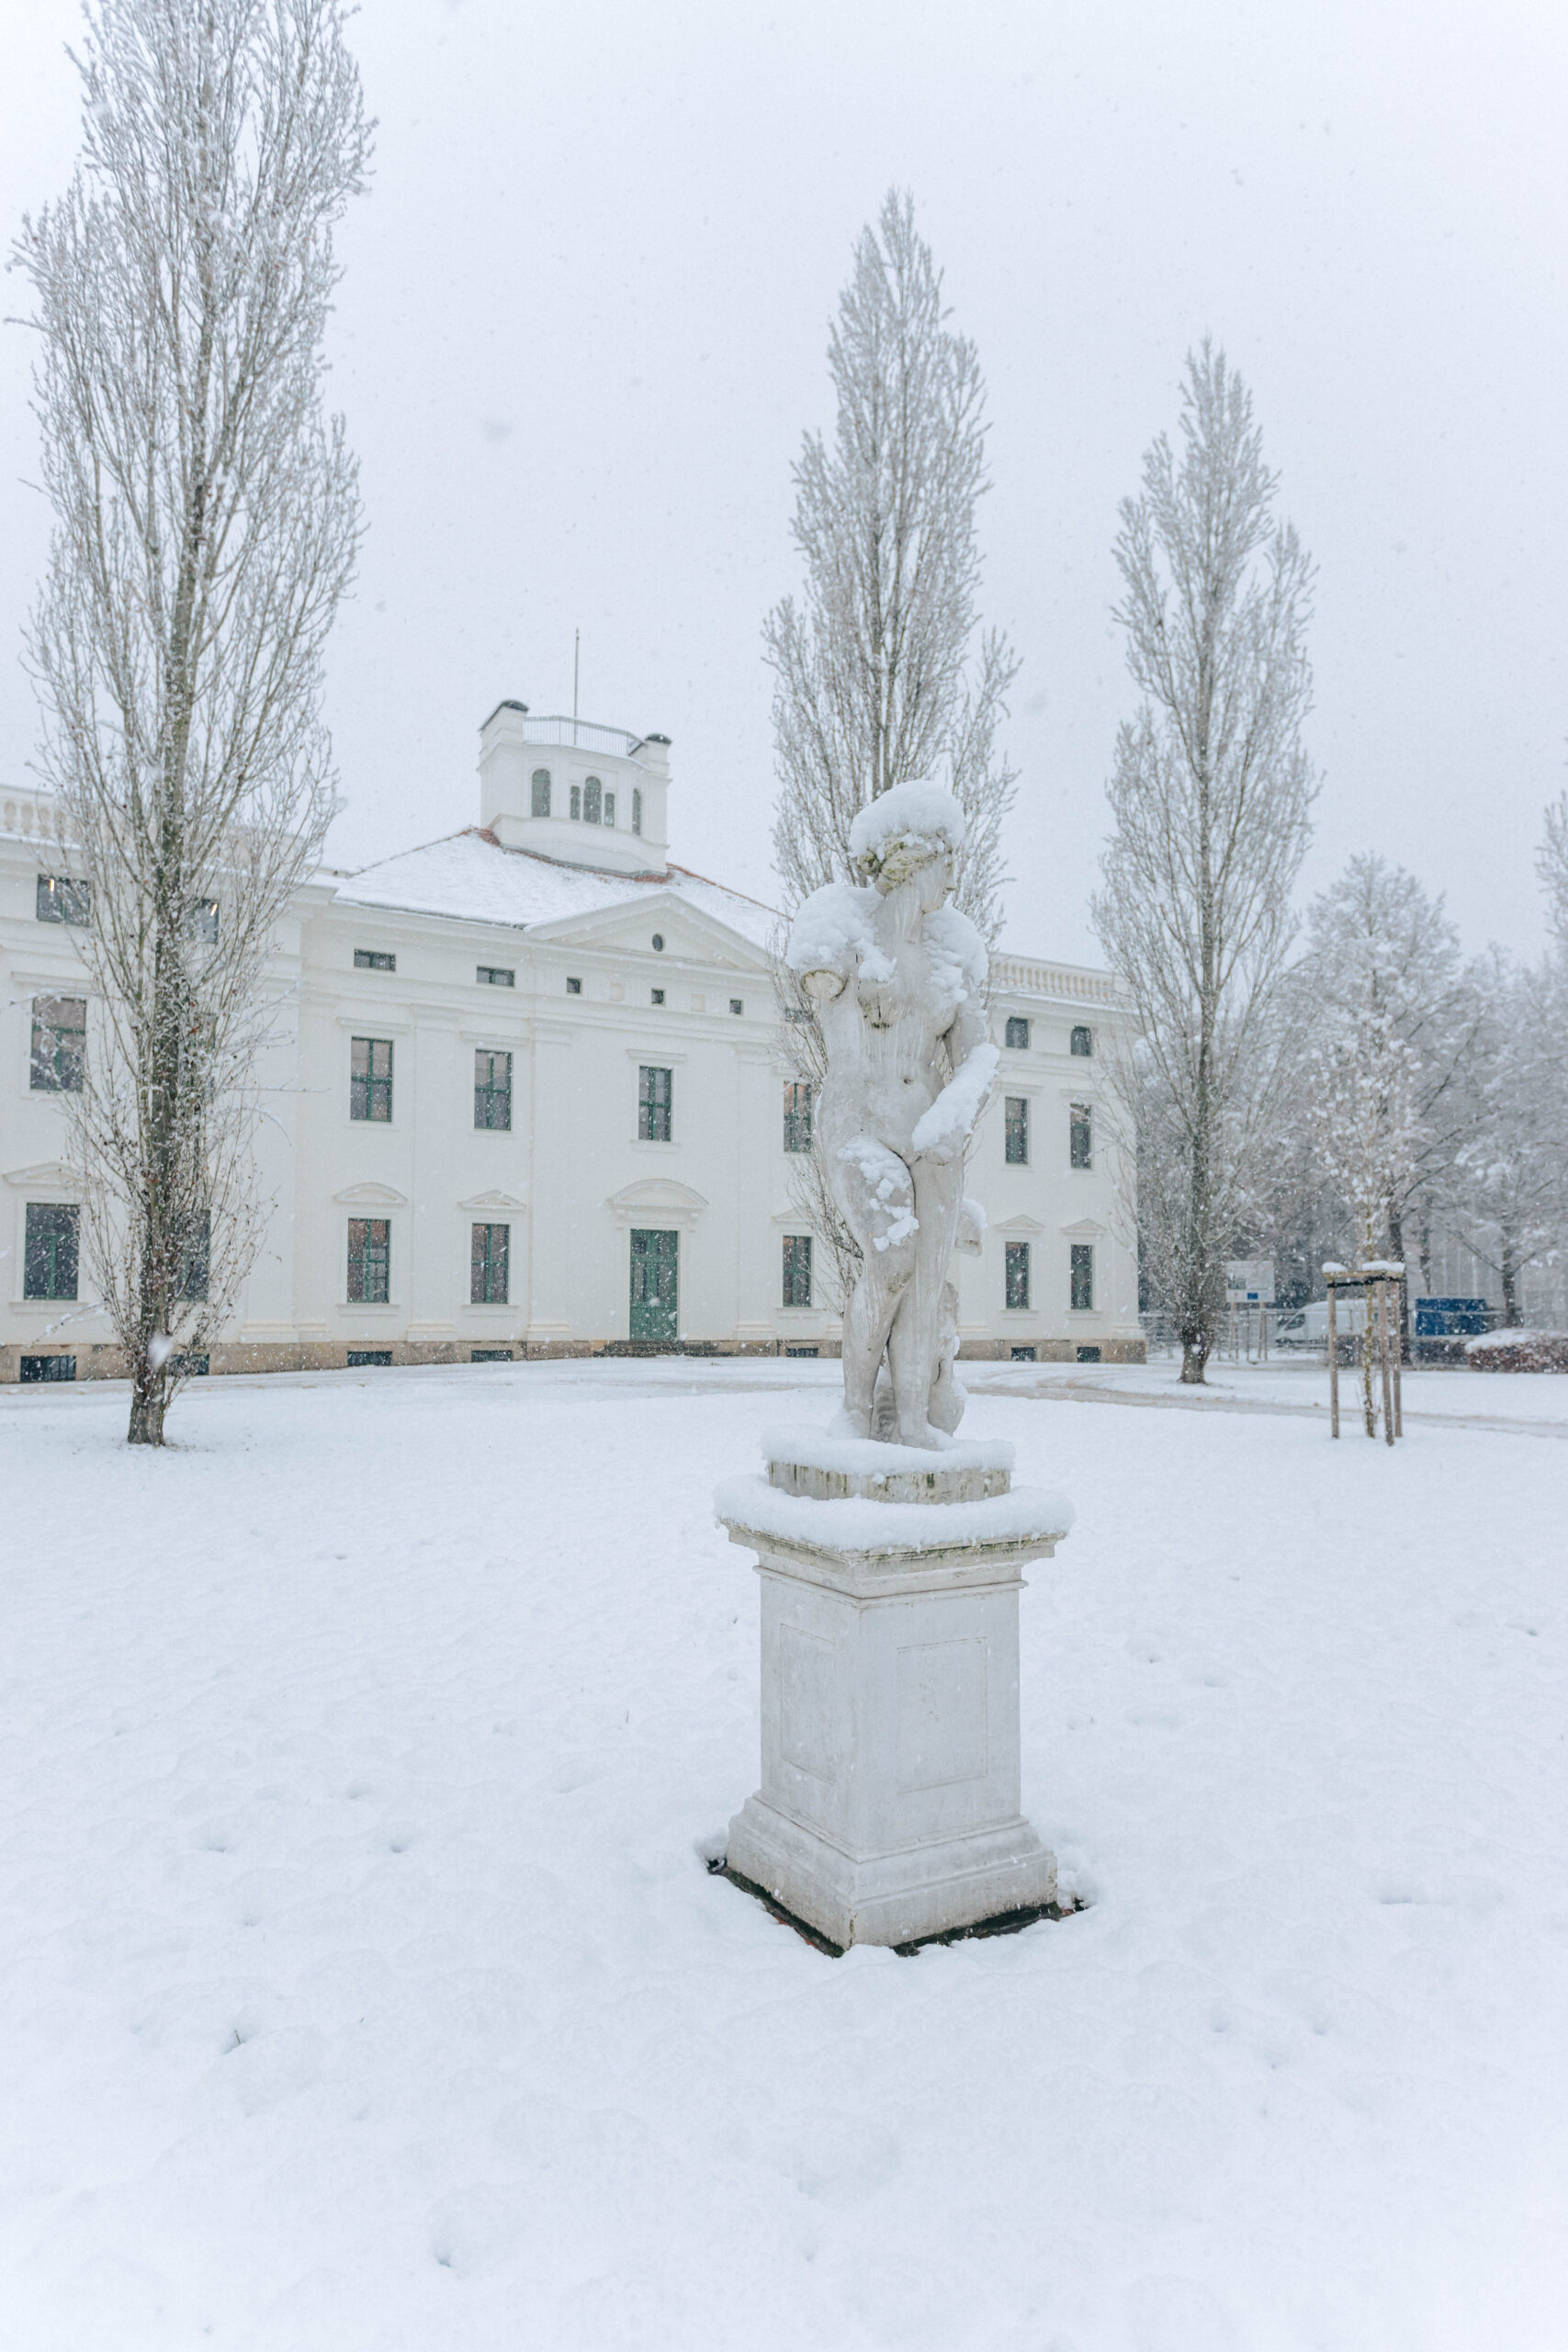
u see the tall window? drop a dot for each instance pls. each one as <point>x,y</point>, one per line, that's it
<point>1015,1127</point>
<point>62,900</point>
<point>637,808</point>
<point>1018,1273</point>
<point>1083,1274</point>
<point>1017,1033</point>
<point>370,1079</point>
<point>195,1257</point>
<point>577,804</point>
<point>1082,1042</point>
<point>370,1261</point>
<point>488,1265</point>
<point>59,1044</point>
<point>609,808</point>
<point>655,1103</point>
<point>492,1088</point>
<point>51,1249</point>
<point>797,1117</point>
<point>592,800</point>
<point>797,1270</point>
<point>541,799</point>
<point>1080,1135</point>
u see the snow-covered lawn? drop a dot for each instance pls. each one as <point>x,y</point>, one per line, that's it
<point>363,1987</point>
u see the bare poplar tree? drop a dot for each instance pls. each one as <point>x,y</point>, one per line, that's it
<point>205,517</point>
<point>878,677</point>
<point>1211,798</point>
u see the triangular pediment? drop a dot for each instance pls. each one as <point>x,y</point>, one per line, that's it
<point>493,1201</point>
<point>370,1196</point>
<point>1086,1229</point>
<point>47,1171</point>
<point>1018,1225</point>
<point>690,935</point>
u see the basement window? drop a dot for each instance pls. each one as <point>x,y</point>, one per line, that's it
<point>372,959</point>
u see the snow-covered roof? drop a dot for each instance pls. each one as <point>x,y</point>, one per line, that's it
<point>468,876</point>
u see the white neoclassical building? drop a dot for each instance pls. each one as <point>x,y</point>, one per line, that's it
<point>532,1104</point>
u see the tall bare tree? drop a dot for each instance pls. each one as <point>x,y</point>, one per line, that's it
<point>1554,866</point>
<point>206,518</point>
<point>1211,798</point>
<point>879,673</point>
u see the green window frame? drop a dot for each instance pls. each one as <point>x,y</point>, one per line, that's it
<point>637,808</point>
<point>60,899</point>
<point>1015,1128</point>
<point>610,810</point>
<point>59,1044</point>
<point>577,804</point>
<point>1080,1135</point>
<point>540,803</point>
<point>797,1117</point>
<point>51,1251</point>
<point>370,1261</point>
<point>797,1270</point>
<point>370,1079</point>
<point>1082,1291</point>
<point>1018,1033</point>
<point>1017,1276</point>
<point>492,1089</point>
<point>490,1265</point>
<point>592,800</point>
<point>655,1104</point>
<point>374,959</point>
<point>495,976</point>
<point>1082,1043</point>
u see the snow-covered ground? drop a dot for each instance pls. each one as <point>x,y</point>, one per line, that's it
<point>365,1990</point>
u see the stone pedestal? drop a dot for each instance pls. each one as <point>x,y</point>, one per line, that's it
<point>889,1808</point>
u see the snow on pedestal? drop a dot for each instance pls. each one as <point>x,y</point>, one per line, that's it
<point>889,1808</point>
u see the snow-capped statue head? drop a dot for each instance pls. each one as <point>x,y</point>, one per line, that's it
<point>901,830</point>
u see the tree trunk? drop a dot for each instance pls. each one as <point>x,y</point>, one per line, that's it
<point>1396,1250</point>
<point>1509,1272</point>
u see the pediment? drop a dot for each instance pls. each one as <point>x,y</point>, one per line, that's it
<point>656,1199</point>
<point>493,1201</point>
<point>370,1196</point>
<point>47,1171</point>
<point>690,935</point>
<point>1086,1229</point>
<point>1016,1225</point>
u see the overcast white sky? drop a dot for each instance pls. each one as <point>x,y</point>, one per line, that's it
<point>583,328</point>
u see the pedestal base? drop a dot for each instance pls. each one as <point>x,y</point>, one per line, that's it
<point>889,1803</point>
<point>893,1898</point>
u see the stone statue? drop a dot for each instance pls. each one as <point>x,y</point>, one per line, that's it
<point>897,976</point>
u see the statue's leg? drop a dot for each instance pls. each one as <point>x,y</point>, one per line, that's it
<point>915,1339</point>
<point>874,1189</point>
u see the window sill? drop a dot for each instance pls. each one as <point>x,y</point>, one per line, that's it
<point>368,1307</point>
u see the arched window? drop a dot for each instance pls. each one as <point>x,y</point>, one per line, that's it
<point>609,809</point>
<point>592,797</point>
<point>636,809</point>
<point>1083,1042</point>
<point>541,792</point>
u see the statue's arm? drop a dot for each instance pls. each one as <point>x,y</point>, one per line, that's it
<point>942,1132</point>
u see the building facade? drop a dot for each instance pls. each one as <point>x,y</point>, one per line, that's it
<point>529,1101</point>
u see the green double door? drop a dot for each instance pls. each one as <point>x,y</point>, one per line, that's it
<point>655,1284</point>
